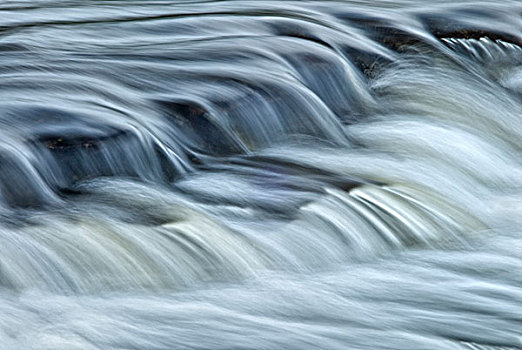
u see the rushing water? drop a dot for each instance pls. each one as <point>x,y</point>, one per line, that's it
<point>260,175</point>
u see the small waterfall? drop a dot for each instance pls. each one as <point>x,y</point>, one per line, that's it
<point>260,175</point>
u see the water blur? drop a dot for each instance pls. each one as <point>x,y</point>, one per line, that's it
<point>260,175</point>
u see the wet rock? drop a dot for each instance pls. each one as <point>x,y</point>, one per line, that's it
<point>303,176</point>
<point>450,26</point>
<point>194,124</point>
<point>297,30</point>
<point>63,148</point>
<point>71,157</point>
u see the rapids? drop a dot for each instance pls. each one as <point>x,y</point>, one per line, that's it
<point>260,175</point>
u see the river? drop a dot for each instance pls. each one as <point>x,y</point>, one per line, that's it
<point>260,175</point>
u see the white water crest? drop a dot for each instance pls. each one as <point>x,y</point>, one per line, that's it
<point>260,175</point>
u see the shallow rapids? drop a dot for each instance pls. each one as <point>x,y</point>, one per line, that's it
<point>260,175</point>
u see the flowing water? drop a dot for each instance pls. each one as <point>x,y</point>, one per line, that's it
<point>260,175</point>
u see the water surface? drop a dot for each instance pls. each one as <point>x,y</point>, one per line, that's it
<point>260,175</point>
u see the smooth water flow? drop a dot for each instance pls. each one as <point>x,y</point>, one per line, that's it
<point>260,175</point>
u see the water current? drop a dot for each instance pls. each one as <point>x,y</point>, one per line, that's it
<point>260,175</point>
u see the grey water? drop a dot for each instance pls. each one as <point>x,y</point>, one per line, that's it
<point>260,175</point>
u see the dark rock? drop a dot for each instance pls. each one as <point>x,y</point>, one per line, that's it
<point>194,125</point>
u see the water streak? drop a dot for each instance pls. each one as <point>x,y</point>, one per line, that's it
<point>260,175</point>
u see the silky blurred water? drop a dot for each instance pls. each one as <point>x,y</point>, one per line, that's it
<point>260,175</point>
